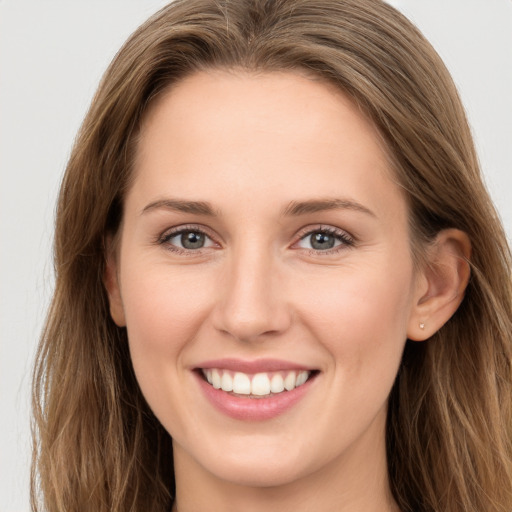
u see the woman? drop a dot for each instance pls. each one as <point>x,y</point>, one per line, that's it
<point>280,282</point>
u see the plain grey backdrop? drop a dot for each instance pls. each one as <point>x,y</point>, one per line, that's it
<point>52,55</point>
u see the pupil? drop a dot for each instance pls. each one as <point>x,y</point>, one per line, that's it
<point>322,241</point>
<point>192,240</point>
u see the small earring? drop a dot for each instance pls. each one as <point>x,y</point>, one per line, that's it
<point>422,325</point>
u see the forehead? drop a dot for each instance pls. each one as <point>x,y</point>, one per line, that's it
<point>264,101</point>
<point>267,131</point>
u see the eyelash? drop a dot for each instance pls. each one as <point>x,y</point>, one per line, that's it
<point>194,228</point>
<point>346,241</point>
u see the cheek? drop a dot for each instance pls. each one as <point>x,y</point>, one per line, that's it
<point>360,315</point>
<point>164,311</point>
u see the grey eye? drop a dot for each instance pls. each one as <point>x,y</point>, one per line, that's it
<point>322,241</point>
<point>192,240</point>
<point>188,239</point>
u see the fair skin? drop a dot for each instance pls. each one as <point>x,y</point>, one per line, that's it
<point>264,233</point>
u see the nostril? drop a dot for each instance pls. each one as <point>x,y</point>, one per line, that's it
<point>251,326</point>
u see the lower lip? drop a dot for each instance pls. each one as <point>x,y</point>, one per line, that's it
<point>253,409</point>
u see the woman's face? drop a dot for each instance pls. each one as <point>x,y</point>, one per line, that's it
<point>264,241</point>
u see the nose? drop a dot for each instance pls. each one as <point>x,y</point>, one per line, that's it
<point>251,304</point>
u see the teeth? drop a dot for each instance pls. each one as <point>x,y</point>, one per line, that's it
<point>226,382</point>
<point>216,379</point>
<point>260,384</point>
<point>277,383</point>
<point>302,377</point>
<point>241,384</point>
<point>289,381</point>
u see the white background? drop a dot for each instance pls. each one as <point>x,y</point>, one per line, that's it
<point>52,55</point>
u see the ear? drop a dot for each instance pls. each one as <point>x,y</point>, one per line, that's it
<point>111,282</point>
<point>441,284</point>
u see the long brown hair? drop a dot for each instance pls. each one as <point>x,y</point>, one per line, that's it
<point>97,445</point>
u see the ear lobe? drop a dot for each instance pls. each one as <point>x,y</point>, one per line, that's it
<point>441,285</point>
<point>111,282</point>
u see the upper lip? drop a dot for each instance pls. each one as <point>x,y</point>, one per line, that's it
<point>254,366</point>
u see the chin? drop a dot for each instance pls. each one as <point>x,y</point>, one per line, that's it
<point>252,461</point>
<point>263,473</point>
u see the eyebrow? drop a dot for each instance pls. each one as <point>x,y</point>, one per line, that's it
<point>179,205</point>
<point>296,208</point>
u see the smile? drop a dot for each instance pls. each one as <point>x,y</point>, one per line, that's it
<point>259,385</point>
<point>254,390</point>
